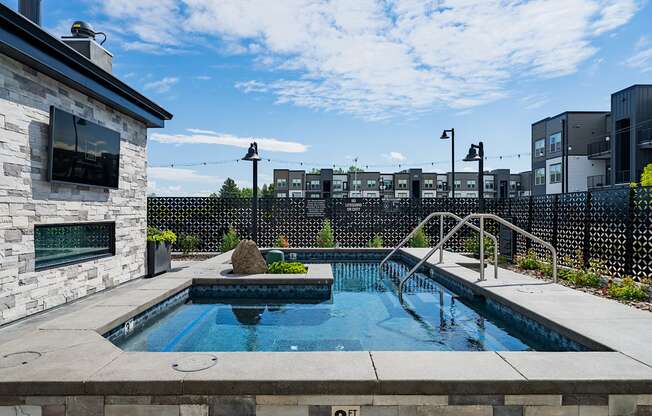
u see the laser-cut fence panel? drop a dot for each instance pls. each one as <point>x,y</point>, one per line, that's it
<point>612,225</point>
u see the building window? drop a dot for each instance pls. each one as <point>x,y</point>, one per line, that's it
<point>554,143</point>
<point>356,184</point>
<point>402,183</point>
<point>429,183</point>
<point>471,184</point>
<point>540,148</point>
<point>555,173</point>
<point>540,176</point>
<point>337,185</point>
<point>371,183</point>
<point>458,184</point>
<point>281,183</point>
<point>296,183</point>
<point>314,185</point>
<point>61,244</point>
<point>388,183</point>
<point>489,184</point>
<point>512,185</point>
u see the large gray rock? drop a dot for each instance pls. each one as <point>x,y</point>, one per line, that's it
<point>246,259</point>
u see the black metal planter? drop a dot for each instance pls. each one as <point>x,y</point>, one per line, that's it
<point>158,258</point>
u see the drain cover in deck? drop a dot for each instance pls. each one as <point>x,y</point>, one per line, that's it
<point>195,362</point>
<point>16,359</point>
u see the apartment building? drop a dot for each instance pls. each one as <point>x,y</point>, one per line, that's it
<point>411,183</point>
<point>581,150</point>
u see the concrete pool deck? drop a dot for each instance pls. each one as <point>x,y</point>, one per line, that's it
<point>62,353</point>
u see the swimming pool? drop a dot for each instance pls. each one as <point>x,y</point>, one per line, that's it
<point>363,313</point>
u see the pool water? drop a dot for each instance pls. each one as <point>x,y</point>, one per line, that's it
<point>364,313</point>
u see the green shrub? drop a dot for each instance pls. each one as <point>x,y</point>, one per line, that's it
<point>419,239</point>
<point>627,289</point>
<point>529,261</point>
<point>584,278</point>
<point>230,240</point>
<point>167,236</point>
<point>646,176</point>
<point>376,242</point>
<point>283,267</point>
<point>282,242</point>
<point>471,246</point>
<point>188,243</point>
<point>325,237</point>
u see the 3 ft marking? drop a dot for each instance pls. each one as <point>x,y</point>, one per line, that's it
<point>345,411</point>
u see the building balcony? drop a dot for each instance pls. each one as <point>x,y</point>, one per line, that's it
<point>623,176</point>
<point>597,181</point>
<point>599,150</point>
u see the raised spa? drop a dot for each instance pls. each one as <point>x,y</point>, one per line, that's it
<point>363,313</point>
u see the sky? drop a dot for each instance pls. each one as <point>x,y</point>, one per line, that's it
<point>321,83</point>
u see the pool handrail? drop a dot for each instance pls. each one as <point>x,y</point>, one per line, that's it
<point>441,216</point>
<point>481,217</point>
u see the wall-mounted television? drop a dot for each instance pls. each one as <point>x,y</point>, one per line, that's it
<point>82,152</point>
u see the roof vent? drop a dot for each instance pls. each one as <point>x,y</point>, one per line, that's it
<point>83,41</point>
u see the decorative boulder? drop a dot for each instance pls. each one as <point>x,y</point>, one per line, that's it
<point>246,259</point>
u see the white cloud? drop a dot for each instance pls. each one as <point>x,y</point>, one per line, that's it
<point>178,175</point>
<point>211,137</point>
<point>642,58</point>
<point>534,101</point>
<point>394,156</point>
<point>377,59</point>
<point>161,85</point>
<point>203,78</point>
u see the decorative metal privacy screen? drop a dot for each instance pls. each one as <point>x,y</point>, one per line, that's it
<point>611,225</point>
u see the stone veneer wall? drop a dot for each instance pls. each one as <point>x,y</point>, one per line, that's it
<point>27,198</point>
<point>318,405</point>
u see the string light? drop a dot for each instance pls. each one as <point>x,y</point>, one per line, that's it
<point>317,165</point>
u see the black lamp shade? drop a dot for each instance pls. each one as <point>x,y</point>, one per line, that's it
<point>444,135</point>
<point>252,153</point>
<point>472,156</point>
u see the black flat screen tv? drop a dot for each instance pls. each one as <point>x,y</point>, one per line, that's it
<point>82,152</point>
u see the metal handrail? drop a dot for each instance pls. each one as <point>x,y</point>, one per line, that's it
<point>482,218</point>
<point>441,216</point>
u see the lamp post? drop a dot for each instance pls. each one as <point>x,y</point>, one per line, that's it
<point>252,156</point>
<point>476,154</point>
<point>444,136</point>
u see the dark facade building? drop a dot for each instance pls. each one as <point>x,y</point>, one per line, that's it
<point>580,150</point>
<point>411,183</point>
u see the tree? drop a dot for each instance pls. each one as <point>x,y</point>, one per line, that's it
<point>315,171</point>
<point>268,191</point>
<point>646,177</point>
<point>325,237</point>
<point>246,193</point>
<point>419,239</point>
<point>353,169</point>
<point>229,189</point>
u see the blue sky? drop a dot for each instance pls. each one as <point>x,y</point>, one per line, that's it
<point>322,82</point>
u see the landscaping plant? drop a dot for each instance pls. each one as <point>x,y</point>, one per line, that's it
<point>627,289</point>
<point>419,239</point>
<point>471,245</point>
<point>284,267</point>
<point>167,236</point>
<point>282,242</point>
<point>325,237</point>
<point>229,240</point>
<point>376,242</point>
<point>188,243</point>
<point>529,261</point>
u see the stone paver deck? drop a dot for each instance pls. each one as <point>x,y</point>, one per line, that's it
<point>76,359</point>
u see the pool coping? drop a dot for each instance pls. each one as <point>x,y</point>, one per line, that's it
<point>76,360</point>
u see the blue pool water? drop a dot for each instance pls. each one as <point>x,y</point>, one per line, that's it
<point>364,313</point>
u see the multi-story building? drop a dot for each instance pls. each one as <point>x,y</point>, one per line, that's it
<point>411,183</point>
<point>579,150</point>
<point>289,183</point>
<point>560,161</point>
